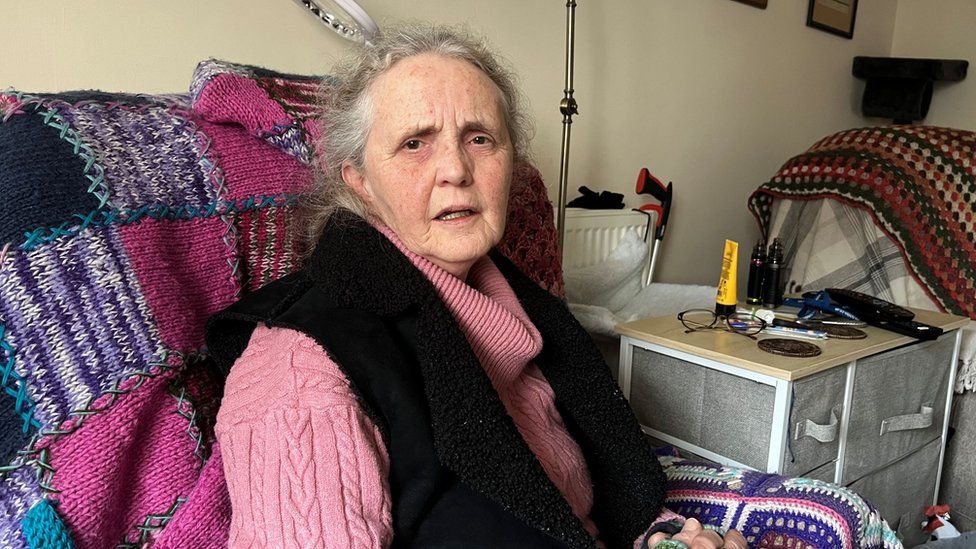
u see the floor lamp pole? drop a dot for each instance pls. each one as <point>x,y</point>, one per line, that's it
<point>568,107</point>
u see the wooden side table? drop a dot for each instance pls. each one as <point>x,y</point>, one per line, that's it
<point>870,414</point>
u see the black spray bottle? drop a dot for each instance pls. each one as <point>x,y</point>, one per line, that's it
<point>772,286</point>
<point>757,266</point>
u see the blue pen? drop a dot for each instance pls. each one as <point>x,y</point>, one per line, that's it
<point>795,332</point>
<point>811,302</point>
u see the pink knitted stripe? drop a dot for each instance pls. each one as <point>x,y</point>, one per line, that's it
<point>267,244</point>
<point>238,99</point>
<point>183,271</point>
<point>279,228</point>
<point>261,245</point>
<point>313,129</point>
<point>297,96</point>
<point>204,520</point>
<point>253,167</point>
<point>122,465</point>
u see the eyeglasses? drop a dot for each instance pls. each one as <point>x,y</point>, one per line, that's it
<point>695,320</point>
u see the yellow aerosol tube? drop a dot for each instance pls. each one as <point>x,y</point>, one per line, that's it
<point>726,300</point>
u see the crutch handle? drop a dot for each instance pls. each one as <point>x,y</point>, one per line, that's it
<point>648,184</point>
<point>656,209</point>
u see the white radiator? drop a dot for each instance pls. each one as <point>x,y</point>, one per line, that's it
<point>592,234</point>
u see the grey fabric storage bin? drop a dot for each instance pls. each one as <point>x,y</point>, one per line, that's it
<point>814,423</point>
<point>666,394</point>
<point>825,472</point>
<point>892,385</point>
<point>673,396</point>
<point>966,541</point>
<point>902,490</point>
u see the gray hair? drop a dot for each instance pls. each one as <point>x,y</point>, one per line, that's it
<point>346,109</point>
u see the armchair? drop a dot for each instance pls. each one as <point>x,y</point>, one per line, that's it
<point>128,221</point>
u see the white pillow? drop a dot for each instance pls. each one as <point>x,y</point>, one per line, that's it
<point>613,282</point>
<point>661,299</point>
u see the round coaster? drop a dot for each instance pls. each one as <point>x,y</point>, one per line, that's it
<point>789,347</point>
<point>838,332</point>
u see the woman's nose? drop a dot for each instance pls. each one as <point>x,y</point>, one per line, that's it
<point>453,166</point>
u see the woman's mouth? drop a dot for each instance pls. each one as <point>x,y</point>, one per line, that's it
<point>454,214</point>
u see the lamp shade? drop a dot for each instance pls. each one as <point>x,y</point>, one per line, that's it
<point>345,17</point>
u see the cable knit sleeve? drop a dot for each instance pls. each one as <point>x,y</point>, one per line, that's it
<point>304,465</point>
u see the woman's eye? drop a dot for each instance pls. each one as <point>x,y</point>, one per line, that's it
<point>412,144</point>
<point>481,140</point>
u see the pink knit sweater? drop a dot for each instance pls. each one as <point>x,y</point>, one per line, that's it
<point>305,465</point>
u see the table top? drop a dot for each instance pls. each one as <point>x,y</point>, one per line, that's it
<point>737,350</point>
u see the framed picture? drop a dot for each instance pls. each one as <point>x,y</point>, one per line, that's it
<point>757,3</point>
<point>834,16</point>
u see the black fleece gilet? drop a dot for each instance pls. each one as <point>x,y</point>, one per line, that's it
<point>460,473</point>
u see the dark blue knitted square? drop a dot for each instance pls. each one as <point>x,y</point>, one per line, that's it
<point>42,180</point>
<point>74,96</point>
<point>12,435</point>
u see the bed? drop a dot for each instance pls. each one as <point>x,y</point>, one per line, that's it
<point>891,212</point>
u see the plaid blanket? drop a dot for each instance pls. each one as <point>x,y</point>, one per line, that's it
<point>919,185</point>
<point>832,245</point>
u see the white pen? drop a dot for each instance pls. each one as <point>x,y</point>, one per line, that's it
<point>795,332</point>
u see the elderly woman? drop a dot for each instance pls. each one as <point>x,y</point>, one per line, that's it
<point>409,386</point>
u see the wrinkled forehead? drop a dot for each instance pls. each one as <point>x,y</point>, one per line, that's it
<point>424,83</point>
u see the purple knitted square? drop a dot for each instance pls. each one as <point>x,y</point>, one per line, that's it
<point>18,493</point>
<point>76,320</point>
<point>150,153</point>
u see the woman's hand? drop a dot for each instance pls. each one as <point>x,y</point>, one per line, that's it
<point>694,536</point>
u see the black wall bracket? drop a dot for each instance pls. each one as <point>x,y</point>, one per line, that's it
<point>901,88</point>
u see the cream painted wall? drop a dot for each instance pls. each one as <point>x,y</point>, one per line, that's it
<point>941,29</point>
<point>151,46</point>
<point>712,94</point>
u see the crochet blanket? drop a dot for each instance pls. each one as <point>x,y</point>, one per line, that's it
<point>919,185</point>
<point>773,511</point>
<point>127,221</point>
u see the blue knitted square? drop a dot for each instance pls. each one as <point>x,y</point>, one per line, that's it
<point>12,434</point>
<point>42,180</point>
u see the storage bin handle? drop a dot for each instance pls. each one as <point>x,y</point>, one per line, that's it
<point>816,431</point>
<point>908,422</point>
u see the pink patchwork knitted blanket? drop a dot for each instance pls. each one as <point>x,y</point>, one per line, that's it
<point>127,221</point>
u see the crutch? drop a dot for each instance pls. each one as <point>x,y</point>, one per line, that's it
<point>648,184</point>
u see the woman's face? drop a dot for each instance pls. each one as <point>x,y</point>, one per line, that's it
<point>438,160</point>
